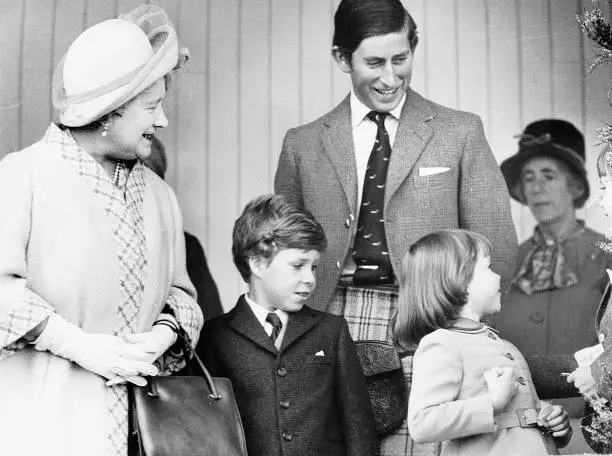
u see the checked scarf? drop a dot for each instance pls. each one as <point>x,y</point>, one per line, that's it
<point>124,207</point>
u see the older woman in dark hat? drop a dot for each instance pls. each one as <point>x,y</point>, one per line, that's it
<point>92,269</point>
<point>560,275</point>
<point>560,272</point>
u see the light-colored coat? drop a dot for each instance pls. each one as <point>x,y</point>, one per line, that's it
<point>449,398</point>
<point>58,254</point>
<point>317,168</point>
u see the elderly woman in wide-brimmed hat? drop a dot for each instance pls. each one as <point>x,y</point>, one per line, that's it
<point>92,265</point>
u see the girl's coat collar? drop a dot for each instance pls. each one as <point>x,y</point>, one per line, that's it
<point>467,325</point>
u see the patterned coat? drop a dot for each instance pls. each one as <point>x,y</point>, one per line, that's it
<point>317,168</point>
<point>60,253</point>
<point>449,399</point>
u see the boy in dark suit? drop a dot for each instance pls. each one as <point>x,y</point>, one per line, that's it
<point>297,379</point>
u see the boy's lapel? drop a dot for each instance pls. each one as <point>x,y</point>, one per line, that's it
<point>299,323</point>
<point>244,321</point>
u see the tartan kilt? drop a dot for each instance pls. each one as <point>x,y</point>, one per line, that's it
<point>368,312</point>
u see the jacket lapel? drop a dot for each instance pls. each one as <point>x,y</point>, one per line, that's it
<point>299,323</point>
<point>412,136</point>
<point>243,320</point>
<point>337,137</point>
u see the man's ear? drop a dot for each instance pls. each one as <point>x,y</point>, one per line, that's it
<point>257,265</point>
<point>343,59</point>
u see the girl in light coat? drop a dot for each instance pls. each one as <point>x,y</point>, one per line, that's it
<point>470,388</point>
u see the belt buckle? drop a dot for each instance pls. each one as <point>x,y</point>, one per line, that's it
<point>528,417</point>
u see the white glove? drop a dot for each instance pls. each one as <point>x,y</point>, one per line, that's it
<point>153,344</point>
<point>102,354</point>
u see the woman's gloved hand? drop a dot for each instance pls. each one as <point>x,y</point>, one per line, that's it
<point>102,354</point>
<point>152,343</point>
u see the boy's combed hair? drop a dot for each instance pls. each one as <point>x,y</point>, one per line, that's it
<point>271,223</point>
<point>436,273</point>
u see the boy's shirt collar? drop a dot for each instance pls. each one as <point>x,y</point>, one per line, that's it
<point>261,312</point>
<point>359,110</point>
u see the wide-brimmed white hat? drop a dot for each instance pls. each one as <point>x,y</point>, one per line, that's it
<point>113,61</point>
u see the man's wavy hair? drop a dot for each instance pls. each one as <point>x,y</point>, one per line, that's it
<point>356,20</point>
<point>271,223</point>
<point>435,276</point>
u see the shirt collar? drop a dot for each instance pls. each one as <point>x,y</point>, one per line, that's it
<point>359,110</point>
<point>261,312</point>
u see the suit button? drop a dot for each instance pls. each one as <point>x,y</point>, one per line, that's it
<point>287,436</point>
<point>521,380</point>
<point>284,404</point>
<point>347,223</point>
<point>338,265</point>
<point>509,356</point>
<point>281,371</point>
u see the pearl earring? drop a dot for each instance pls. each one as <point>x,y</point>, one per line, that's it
<point>105,129</point>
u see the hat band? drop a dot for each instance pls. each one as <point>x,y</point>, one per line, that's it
<point>529,141</point>
<point>104,89</point>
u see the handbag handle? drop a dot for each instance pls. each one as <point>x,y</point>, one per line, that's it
<point>180,332</point>
<point>214,394</point>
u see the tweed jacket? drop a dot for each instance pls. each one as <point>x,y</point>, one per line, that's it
<point>449,400</point>
<point>293,402</point>
<point>317,168</point>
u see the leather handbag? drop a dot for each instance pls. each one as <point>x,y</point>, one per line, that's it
<point>384,376</point>
<point>186,416</point>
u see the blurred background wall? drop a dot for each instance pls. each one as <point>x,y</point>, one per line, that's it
<point>259,67</point>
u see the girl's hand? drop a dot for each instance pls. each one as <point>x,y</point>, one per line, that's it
<point>583,380</point>
<point>501,385</point>
<point>556,420</point>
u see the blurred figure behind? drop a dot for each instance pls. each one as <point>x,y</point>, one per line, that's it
<point>197,266</point>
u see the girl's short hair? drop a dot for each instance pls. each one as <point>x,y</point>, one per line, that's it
<point>271,223</point>
<point>436,273</point>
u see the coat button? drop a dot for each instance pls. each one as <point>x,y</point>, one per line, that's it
<point>287,436</point>
<point>521,380</point>
<point>509,356</point>
<point>281,371</point>
<point>347,223</point>
<point>284,404</point>
<point>338,265</point>
<point>491,336</point>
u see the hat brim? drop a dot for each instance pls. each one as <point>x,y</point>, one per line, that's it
<point>511,170</point>
<point>164,60</point>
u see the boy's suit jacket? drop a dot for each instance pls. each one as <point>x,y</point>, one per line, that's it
<point>442,174</point>
<point>308,399</point>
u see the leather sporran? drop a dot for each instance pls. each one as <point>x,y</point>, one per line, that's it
<point>186,416</point>
<point>384,376</point>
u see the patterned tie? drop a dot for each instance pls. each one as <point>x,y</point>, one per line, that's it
<point>370,251</point>
<point>277,325</point>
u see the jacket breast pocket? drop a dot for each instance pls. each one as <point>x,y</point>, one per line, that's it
<point>425,178</point>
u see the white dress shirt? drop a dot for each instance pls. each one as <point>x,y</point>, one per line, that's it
<point>364,135</point>
<point>261,313</point>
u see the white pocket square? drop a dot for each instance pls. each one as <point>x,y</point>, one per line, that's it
<point>433,170</point>
<point>320,353</point>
